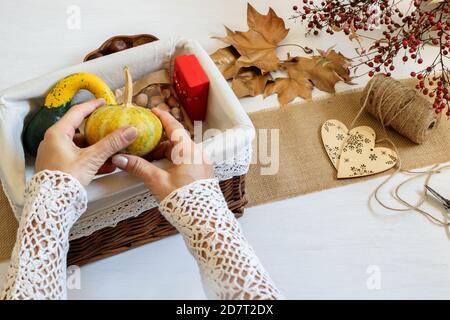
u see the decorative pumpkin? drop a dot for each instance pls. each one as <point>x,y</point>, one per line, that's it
<point>57,103</point>
<point>107,119</point>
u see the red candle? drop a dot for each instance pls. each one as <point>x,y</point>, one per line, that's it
<point>191,85</point>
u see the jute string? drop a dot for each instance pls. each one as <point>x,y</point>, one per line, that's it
<point>400,107</point>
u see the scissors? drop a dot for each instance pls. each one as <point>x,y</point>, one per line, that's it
<point>445,202</point>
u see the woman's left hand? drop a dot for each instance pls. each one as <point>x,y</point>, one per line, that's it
<point>58,151</point>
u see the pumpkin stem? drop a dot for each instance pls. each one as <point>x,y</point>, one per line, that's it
<point>128,93</point>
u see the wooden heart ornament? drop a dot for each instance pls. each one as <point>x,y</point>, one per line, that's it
<point>334,134</point>
<point>353,153</point>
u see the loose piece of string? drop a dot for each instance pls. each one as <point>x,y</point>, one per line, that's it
<point>397,103</point>
<point>428,173</point>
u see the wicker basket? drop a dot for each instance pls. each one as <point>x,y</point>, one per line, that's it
<point>121,214</point>
<point>147,227</point>
<point>150,225</point>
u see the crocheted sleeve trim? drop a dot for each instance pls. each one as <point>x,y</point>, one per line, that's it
<point>54,200</point>
<point>228,265</point>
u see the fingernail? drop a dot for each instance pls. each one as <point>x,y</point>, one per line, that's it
<point>130,133</point>
<point>120,161</point>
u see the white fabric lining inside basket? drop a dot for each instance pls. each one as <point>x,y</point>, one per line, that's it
<point>224,113</point>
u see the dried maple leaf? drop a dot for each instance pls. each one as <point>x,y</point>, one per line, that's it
<point>251,56</point>
<point>324,71</point>
<point>226,60</point>
<point>288,89</point>
<point>250,82</point>
<point>258,45</point>
<point>335,61</point>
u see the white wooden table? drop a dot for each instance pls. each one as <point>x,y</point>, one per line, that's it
<point>323,245</point>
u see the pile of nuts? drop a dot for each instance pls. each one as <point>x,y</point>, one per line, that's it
<point>163,97</point>
<point>120,43</point>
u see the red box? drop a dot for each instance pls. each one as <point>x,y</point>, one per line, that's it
<point>192,86</point>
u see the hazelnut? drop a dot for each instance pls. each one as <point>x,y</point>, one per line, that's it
<point>141,99</point>
<point>118,92</point>
<point>156,100</point>
<point>152,91</point>
<point>95,55</point>
<point>176,112</point>
<point>163,107</point>
<point>173,102</point>
<point>140,41</point>
<point>166,93</point>
<point>117,45</point>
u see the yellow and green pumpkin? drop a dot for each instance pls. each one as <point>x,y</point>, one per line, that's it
<point>58,102</point>
<point>107,119</point>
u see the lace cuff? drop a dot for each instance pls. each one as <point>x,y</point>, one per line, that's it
<point>228,265</point>
<point>54,200</point>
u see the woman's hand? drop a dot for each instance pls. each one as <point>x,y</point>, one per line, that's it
<point>189,162</point>
<point>58,151</point>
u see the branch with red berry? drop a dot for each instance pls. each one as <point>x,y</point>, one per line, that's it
<point>406,34</point>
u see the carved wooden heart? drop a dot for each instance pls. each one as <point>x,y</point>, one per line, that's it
<point>353,152</point>
<point>334,134</point>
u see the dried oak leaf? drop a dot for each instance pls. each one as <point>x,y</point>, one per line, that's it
<point>250,82</point>
<point>288,89</point>
<point>258,45</point>
<point>226,60</point>
<point>324,71</point>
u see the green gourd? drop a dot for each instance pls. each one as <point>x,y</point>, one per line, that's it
<point>58,102</point>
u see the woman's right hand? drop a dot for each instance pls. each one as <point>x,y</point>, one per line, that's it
<point>189,163</point>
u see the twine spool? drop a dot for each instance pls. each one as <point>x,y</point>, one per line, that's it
<point>400,107</point>
<point>410,114</point>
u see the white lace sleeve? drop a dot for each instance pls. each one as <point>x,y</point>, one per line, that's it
<point>228,265</point>
<point>53,202</point>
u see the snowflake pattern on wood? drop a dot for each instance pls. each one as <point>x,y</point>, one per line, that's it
<point>361,171</point>
<point>353,153</point>
<point>327,125</point>
<point>336,133</point>
<point>333,152</point>
<point>364,158</point>
<point>355,142</point>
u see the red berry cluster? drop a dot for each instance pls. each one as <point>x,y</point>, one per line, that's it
<point>406,34</point>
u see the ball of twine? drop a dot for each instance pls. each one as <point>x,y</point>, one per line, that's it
<point>400,107</point>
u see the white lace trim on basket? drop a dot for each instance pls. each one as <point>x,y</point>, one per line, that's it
<point>136,205</point>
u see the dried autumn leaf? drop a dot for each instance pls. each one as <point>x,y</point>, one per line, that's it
<point>335,28</point>
<point>335,61</point>
<point>258,45</point>
<point>323,71</point>
<point>250,82</point>
<point>226,60</point>
<point>251,56</point>
<point>323,79</point>
<point>270,25</point>
<point>288,89</point>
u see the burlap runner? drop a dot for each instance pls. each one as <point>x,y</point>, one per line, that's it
<point>8,227</point>
<point>304,164</point>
